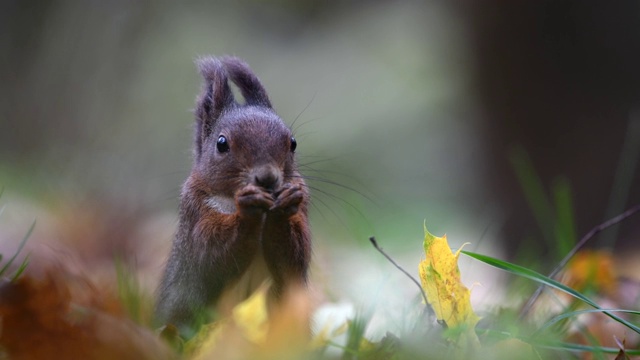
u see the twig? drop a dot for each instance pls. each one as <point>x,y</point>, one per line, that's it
<point>613,221</point>
<point>375,245</point>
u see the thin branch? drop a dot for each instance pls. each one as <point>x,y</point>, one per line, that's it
<point>593,232</point>
<point>375,245</point>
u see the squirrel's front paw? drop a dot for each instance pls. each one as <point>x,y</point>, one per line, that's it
<point>288,199</point>
<point>252,200</point>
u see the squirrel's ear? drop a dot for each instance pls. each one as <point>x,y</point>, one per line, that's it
<point>216,96</point>
<point>247,82</point>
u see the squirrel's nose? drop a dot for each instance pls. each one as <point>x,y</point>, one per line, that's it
<point>267,177</point>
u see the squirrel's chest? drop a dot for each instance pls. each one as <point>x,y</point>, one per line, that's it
<point>254,275</point>
<point>221,204</point>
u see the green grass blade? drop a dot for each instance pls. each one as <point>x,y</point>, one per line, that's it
<point>1,211</point>
<point>565,231</point>
<point>21,269</point>
<point>355,335</point>
<point>566,315</point>
<point>586,348</point>
<point>128,291</point>
<point>533,191</point>
<point>535,276</point>
<point>24,241</point>
<point>623,178</point>
<point>499,335</point>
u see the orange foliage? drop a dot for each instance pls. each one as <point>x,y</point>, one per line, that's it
<point>48,318</point>
<point>594,270</point>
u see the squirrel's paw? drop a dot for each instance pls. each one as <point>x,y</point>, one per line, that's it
<point>288,199</point>
<point>252,200</point>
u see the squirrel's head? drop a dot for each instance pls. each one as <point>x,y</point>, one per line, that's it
<point>239,144</point>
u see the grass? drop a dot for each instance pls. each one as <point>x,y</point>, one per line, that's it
<point>547,281</point>
<point>7,266</point>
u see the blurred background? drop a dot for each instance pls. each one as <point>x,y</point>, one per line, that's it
<point>407,111</point>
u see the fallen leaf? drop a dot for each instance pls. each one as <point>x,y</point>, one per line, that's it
<point>258,329</point>
<point>251,316</point>
<point>43,319</point>
<point>449,298</point>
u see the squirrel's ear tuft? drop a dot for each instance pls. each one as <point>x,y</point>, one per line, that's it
<point>216,96</point>
<point>248,83</point>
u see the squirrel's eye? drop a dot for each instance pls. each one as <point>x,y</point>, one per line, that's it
<point>294,144</point>
<point>222,145</point>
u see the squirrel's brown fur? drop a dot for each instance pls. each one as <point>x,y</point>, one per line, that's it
<point>244,206</point>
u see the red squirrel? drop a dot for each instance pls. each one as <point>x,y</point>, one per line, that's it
<point>243,209</point>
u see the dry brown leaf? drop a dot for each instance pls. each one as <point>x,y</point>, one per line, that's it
<point>41,320</point>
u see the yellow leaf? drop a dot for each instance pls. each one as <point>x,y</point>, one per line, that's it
<point>251,316</point>
<point>256,330</point>
<point>238,336</point>
<point>446,294</point>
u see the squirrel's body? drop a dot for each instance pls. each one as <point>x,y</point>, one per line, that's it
<point>243,209</point>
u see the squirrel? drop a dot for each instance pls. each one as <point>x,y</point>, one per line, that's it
<point>244,207</point>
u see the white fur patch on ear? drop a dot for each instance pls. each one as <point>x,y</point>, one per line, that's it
<point>222,204</point>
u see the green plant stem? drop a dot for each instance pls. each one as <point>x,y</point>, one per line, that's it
<point>613,221</point>
<point>570,314</point>
<point>22,243</point>
<point>535,276</point>
<point>623,178</point>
